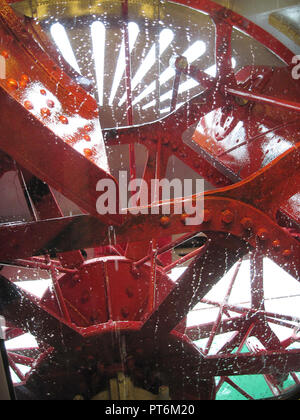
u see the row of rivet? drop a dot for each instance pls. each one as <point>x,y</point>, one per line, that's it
<point>45,112</point>
<point>227,218</point>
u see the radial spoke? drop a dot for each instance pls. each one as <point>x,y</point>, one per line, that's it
<point>257,280</point>
<point>20,359</point>
<point>245,338</point>
<point>184,259</point>
<point>237,388</point>
<point>270,316</point>
<point>22,309</point>
<point>15,368</point>
<point>225,74</point>
<point>217,323</point>
<point>266,363</point>
<point>203,273</point>
<point>199,332</point>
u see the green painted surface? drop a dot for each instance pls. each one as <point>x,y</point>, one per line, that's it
<point>254,385</point>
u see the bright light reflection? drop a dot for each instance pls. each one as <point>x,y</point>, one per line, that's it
<point>165,39</point>
<point>98,39</point>
<point>61,39</point>
<point>133,30</point>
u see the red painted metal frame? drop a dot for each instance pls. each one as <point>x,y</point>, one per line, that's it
<point>238,219</point>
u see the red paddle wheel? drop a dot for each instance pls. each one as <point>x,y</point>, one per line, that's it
<point>117,326</point>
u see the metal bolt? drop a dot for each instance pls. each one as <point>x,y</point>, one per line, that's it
<point>28,105</point>
<point>181,63</point>
<point>12,84</point>
<point>227,217</point>
<point>247,223</point>
<point>45,112</point>
<point>263,234</point>
<point>165,221</point>
<point>287,253</point>
<point>276,244</point>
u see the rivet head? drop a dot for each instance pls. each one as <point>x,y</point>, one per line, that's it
<point>165,221</point>
<point>88,128</point>
<point>247,223</point>
<point>227,217</point>
<point>23,84</point>
<point>45,112</point>
<point>24,81</point>
<point>28,105</point>
<point>287,253</point>
<point>88,153</point>
<point>276,244</point>
<point>50,103</point>
<point>181,63</point>
<point>87,138</point>
<point>25,78</point>
<point>63,120</point>
<point>12,84</point>
<point>5,54</point>
<point>263,234</point>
